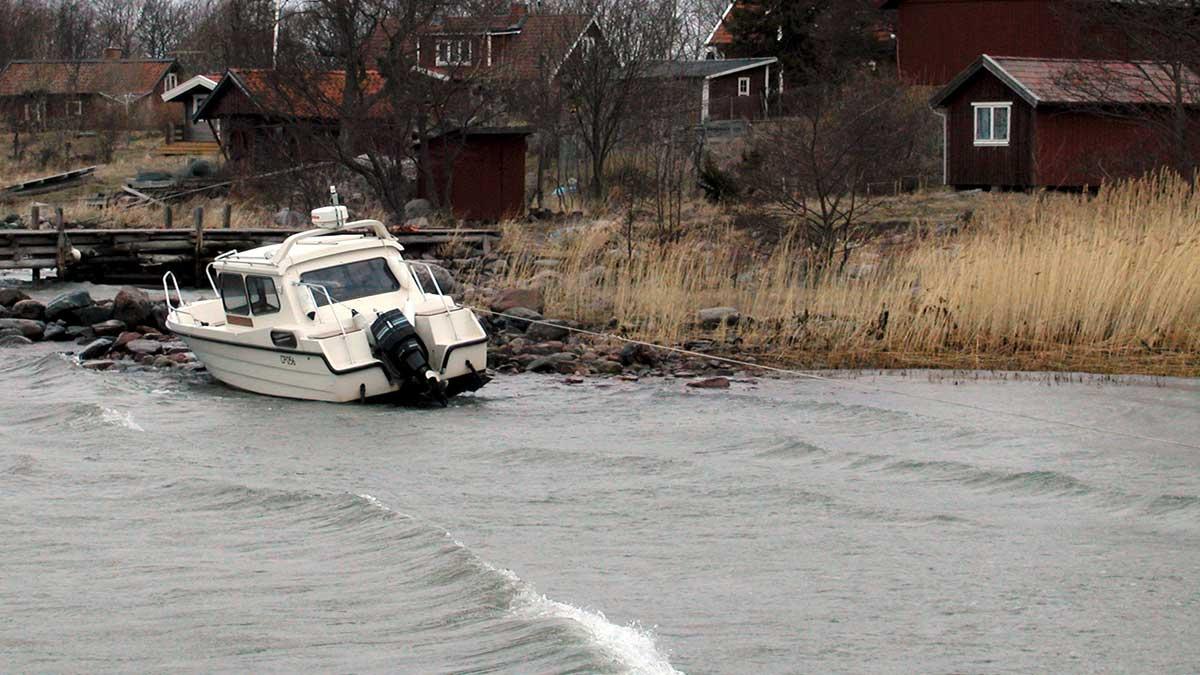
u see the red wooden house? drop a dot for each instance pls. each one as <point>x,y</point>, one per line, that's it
<point>720,89</point>
<point>1018,122</point>
<point>88,94</point>
<point>937,39</point>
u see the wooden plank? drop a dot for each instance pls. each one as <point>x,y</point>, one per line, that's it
<point>142,195</point>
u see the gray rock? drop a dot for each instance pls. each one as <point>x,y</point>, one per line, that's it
<point>29,309</point>
<point>5,313</point>
<point>715,316</point>
<point>607,367</point>
<point>133,306</point>
<point>28,327</point>
<point>710,383</point>
<point>14,341</point>
<point>552,363</point>
<point>68,302</point>
<point>632,354</point>
<point>55,332</point>
<point>509,298</point>
<point>163,362</point>
<point>417,208</point>
<point>95,349</point>
<point>110,328</point>
<point>421,223</point>
<point>552,329</point>
<point>143,347</point>
<point>11,296</point>
<point>98,364</point>
<point>515,315</point>
<point>94,314</point>
<point>74,332</point>
<point>5,332</point>
<point>441,275</point>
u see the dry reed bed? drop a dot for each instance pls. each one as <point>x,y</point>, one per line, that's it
<point>1109,283</point>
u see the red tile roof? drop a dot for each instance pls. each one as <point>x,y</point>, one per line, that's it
<point>315,96</point>
<point>1079,81</point>
<point>1087,81</point>
<point>115,78</point>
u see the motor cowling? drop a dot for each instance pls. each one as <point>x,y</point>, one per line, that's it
<point>399,346</point>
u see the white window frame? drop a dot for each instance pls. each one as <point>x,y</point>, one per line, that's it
<point>75,108</point>
<point>586,44</point>
<point>170,81</point>
<point>743,86</point>
<point>992,106</point>
<point>453,52</point>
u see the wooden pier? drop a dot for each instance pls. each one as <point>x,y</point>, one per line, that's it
<point>141,256</point>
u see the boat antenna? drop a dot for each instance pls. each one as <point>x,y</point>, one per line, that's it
<point>333,195</point>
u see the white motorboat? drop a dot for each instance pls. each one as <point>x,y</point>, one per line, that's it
<point>332,314</point>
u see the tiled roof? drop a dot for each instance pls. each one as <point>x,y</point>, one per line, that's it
<point>704,69</point>
<point>1079,81</point>
<point>316,96</point>
<point>545,37</point>
<point>1087,81</point>
<point>115,78</point>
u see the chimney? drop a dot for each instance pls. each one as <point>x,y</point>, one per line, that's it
<point>114,54</point>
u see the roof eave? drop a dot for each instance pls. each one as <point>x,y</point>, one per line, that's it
<point>984,62</point>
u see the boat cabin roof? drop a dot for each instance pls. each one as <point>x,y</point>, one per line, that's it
<point>303,248</point>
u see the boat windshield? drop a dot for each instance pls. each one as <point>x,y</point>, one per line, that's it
<point>351,281</point>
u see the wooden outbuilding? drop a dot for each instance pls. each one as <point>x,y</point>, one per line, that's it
<point>722,89</point>
<point>1017,122</point>
<point>189,96</point>
<point>487,183</point>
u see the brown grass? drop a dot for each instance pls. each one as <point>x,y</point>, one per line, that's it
<point>1059,282</point>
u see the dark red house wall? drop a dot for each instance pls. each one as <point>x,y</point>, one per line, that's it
<point>488,178</point>
<point>937,39</point>
<point>985,166</point>
<point>724,102</point>
<point>1077,148</point>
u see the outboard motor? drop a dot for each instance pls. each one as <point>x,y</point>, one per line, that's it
<point>401,349</point>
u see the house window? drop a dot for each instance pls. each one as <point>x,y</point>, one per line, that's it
<point>75,108</point>
<point>992,123</point>
<point>454,52</point>
<point>170,81</point>
<point>743,86</point>
<point>587,44</point>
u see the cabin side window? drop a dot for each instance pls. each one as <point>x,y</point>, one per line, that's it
<point>263,297</point>
<point>992,123</point>
<point>352,281</point>
<point>233,294</point>
<point>743,86</point>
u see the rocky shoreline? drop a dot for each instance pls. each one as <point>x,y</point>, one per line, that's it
<point>129,330</point>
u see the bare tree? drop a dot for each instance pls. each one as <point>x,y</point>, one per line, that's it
<point>813,169</point>
<point>1157,85</point>
<point>116,23</point>
<point>605,85</point>
<point>73,36</point>
<point>161,27</point>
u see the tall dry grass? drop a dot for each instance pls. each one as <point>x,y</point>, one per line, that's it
<point>1105,283</point>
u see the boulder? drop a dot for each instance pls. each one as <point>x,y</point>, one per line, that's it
<point>68,303</point>
<point>632,354</point>
<point>562,362</point>
<point>55,332</point>
<point>716,316</point>
<point>160,313</point>
<point>29,309</point>
<point>132,306</point>
<point>607,367</point>
<point>11,296</point>
<point>418,208</point>
<point>110,328</point>
<point>95,349</point>
<point>710,383</point>
<point>29,328</point>
<point>552,329</point>
<point>14,341</point>
<point>5,313</point>
<point>143,347</point>
<point>125,338</point>
<point>441,275</point>
<point>162,362</point>
<point>76,332</point>
<point>94,314</point>
<point>516,314</point>
<point>98,364</point>
<point>510,298</point>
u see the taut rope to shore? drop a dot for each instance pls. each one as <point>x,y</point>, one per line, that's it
<point>844,383</point>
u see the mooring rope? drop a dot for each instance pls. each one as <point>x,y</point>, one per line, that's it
<point>844,383</point>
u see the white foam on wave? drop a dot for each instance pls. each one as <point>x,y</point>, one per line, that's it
<point>121,419</point>
<point>632,646</point>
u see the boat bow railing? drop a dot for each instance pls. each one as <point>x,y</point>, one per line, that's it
<point>332,310</point>
<point>172,308</point>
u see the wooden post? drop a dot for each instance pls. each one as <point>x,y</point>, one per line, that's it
<point>35,217</point>
<point>226,216</point>
<point>61,246</point>
<point>167,217</point>
<point>198,218</point>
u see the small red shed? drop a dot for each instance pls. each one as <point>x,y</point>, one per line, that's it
<point>487,180</point>
<point>1018,122</point>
